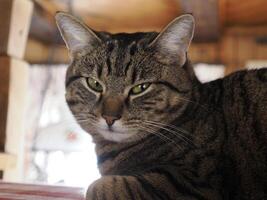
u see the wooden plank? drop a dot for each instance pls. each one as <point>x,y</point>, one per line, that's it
<point>15,18</point>
<point>204,53</point>
<point>7,161</point>
<point>240,44</point>
<point>5,19</point>
<point>245,13</point>
<point>229,50</point>
<point>246,31</point>
<point>133,16</point>
<point>4,88</point>
<point>44,30</point>
<point>15,94</point>
<point>42,53</point>
<point>15,191</point>
<point>261,52</point>
<point>207,18</point>
<point>50,7</point>
<point>112,16</point>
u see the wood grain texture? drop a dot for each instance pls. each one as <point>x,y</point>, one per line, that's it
<point>12,191</point>
<point>7,161</point>
<point>244,13</point>
<point>4,88</point>
<point>17,101</point>
<point>206,16</point>
<point>15,17</point>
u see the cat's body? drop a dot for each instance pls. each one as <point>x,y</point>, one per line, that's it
<point>227,119</point>
<point>159,132</point>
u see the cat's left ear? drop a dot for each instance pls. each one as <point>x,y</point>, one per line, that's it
<point>173,41</point>
<point>75,33</point>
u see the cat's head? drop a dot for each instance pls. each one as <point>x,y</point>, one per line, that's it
<point>122,87</point>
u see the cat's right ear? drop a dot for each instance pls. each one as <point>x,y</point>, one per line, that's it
<point>173,41</point>
<point>75,33</point>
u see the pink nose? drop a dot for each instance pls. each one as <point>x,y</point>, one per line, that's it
<point>110,119</point>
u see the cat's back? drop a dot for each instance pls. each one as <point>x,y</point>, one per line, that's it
<point>244,107</point>
<point>249,85</point>
<point>240,93</point>
<point>244,100</point>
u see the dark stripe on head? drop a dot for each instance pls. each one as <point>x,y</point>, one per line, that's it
<point>127,67</point>
<point>108,63</point>
<point>99,71</point>
<point>133,76</point>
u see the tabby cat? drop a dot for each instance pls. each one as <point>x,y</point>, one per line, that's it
<point>159,132</point>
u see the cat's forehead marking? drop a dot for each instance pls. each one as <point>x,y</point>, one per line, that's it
<point>119,53</point>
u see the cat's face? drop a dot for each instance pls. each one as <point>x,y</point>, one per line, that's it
<point>123,87</point>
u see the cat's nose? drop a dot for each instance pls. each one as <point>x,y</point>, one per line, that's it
<point>110,119</point>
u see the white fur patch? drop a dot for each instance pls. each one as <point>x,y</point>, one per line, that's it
<point>118,132</point>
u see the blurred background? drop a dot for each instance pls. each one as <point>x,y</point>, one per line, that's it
<point>39,139</point>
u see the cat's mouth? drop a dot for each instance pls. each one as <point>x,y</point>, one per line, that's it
<point>117,132</point>
<point>110,130</point>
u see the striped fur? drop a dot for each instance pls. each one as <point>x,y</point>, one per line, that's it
<point>187,140</point>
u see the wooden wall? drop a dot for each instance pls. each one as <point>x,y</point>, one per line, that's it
<point>228,32</point>
<point>242,12</point>
<point>15,17</point>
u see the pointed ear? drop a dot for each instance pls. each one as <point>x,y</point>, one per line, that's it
<point>173,41</point>
<point>75,33</point>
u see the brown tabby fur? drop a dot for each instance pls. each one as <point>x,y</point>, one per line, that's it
<point>187,140</point>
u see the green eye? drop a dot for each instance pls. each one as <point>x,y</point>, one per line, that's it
<point>140,88</point>
<point>94,85</point>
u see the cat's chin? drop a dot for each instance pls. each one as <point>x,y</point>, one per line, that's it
<point>117,133</point>
<point>115,136</point>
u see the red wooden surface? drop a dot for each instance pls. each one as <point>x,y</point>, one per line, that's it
<point>15,191</point>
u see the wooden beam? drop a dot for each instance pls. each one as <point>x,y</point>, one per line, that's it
<point>7,161</point>
<point>4,89</point>
<point>136,15</point>
<point>244,13</point>
<point>204,53</point>
<point>14,26</point>
<point>43,30</point>
<point>207,20</point>
<point>43,26</point>
<point>16,15</point>
<point>13,81</point>
<point>241,44</point>
<point>42,53</point>
<point>49,7</point>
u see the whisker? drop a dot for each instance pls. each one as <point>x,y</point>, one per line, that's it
<point>196,103</point>
<point>160,135</point>
<point>177,134</point>
<point>171,126</point>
